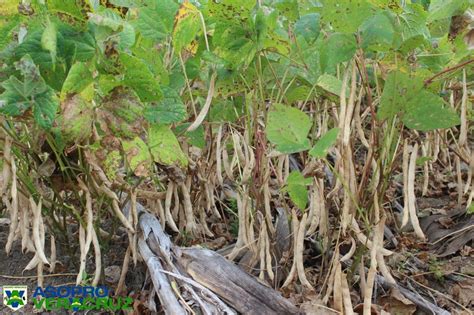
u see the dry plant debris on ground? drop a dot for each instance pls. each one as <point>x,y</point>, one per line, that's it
<point>326,148</point>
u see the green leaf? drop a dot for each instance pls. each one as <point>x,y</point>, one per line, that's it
<point>138,156</point>
<point>346,15</point>
<point>399,89</point>
<point>440,53</point>
<point>308,27</point>
<point>78,78</point>
<point>427,111</point>
<point>410,26</point>
<point>155,20</point>
<point>288,8</point>
<point>224,111</point>
<point>164,146</point>
<point>71,46</point>
<point>196,137</point>
<point>44,109</point>
<point>127,3</point>
<point>139,77</point>
<point>233,44</point>
<point>169,110</point>
<point>78,46</point>
<point>32,92</point>
<point>338,48</point>
<point>127,36</point>
<point>330,83</point>
<point>288,128</point>
<point>299,93</point>
<point>422,160</point>
<point>187,26</point>
<point>106,17</point>
<point>442,9</point>
<point>470,209</point>
<point>49,40</point>
<point>107,83</point>
<point>7,28</point>
<point>322,146</point>
<point>69,7</point>
<point>226,10</point>
<point>296,186</point>
<point>234,38</point>
<point>377,33</point>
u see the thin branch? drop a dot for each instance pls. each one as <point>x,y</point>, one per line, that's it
<point>450,69</point>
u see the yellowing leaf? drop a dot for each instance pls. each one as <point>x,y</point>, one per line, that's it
<point>187,24</point>
<point>8,7</point>
<point>164,146</point>
<point>186,9</point>
<point>138,156</point>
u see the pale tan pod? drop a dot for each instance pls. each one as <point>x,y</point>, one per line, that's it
<point>13,207</point>
<point>406,158</point>
<point>411,193</point>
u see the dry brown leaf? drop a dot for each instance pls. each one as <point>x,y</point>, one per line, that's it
<point>316,306</point>
<point>463,292</point>
<point>396,303</point>
<point>112,274</point>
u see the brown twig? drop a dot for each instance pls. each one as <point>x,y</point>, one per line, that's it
<point>453,68</point>
<point>35,276</point>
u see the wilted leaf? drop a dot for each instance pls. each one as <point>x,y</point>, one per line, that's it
<point>322,146</point>
<point>288,128</point>
<point>76,119</point>
<point>138,156</point>
<point>121,114</point>
<point>164,146</point>
<point>111,164</point>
